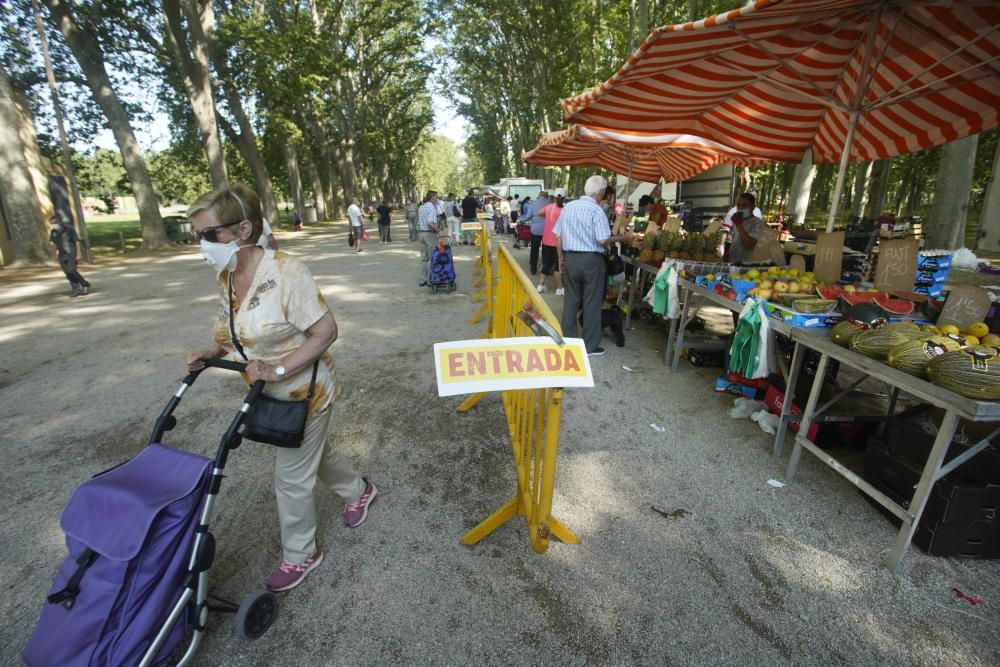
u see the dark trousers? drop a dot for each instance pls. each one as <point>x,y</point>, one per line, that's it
<point>383,232</point>
<point>536,244</point>
<point>68,264</point>
<point>584,281</point>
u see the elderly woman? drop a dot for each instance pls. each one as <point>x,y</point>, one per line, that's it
<point>283,325</point>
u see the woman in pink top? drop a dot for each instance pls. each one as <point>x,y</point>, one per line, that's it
<point>550,255</point>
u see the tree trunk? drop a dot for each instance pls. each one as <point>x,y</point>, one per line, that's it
<point>317,189</point>
<point>878,188</point>
<point>860,198</point>
<point>946,227</point>
<point>805,173</point>
<point>20,202</point>
<point>989,219</point>
<point>294,180</point>
<point>246,142</point>
<point>86,51</point>
<point>192,61</point>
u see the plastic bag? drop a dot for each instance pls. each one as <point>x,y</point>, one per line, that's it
<point>965,259</point>
<point>744,407</point>
<point>767,421</point>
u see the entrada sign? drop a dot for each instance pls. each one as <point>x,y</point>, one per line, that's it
<point>470,366</point>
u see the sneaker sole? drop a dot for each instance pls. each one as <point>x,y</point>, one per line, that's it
<point>300,579</point>
<point>364,515</point>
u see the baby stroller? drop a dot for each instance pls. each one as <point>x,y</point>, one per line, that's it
<point>523,235</point>
<point>139,554</point>
<point>442,269</point>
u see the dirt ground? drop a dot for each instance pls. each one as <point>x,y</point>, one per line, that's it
<point>746,574</point>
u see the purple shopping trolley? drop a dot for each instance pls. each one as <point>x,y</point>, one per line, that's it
<point>139,553</point>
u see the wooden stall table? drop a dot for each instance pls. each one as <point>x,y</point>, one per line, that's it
<point>955,407</point>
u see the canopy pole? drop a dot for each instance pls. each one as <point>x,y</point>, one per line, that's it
<point>841,175</point>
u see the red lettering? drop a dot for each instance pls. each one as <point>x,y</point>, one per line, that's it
<point>455,364</point>
<point>569,362</point>
<point>534,361</point>
<point>552,360</point>
<point>514,361</point>
<point>476,363</point>
<point>495,356</point>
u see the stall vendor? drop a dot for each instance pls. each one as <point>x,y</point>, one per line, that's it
<point>747,229</point>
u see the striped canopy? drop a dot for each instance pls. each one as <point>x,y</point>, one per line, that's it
<point>777,77</point>
<point>646,157</point>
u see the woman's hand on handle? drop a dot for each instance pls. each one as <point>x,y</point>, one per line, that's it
<point>258,370</point>
<point>195,359</point>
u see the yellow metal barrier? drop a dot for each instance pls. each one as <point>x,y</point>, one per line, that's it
<point>532,414</point>
<point>484,271</point>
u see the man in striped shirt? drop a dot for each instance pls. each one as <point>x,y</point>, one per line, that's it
<point>584,236</point>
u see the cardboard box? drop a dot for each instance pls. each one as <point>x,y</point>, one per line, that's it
<point>927,262</point>
<point>797,319</point>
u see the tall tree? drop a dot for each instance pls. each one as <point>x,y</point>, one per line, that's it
<point>21,210</point>
<point>187,24</point>
<point>989,232</point>
<point>87,51</point>
<point>946,228</point>
<point>802,182</point>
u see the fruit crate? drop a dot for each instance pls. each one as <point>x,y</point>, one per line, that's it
<point>797,319</point>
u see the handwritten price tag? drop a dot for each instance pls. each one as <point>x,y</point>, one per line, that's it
<point>897,264</point>
<point>965,304</point>
<point>829,256</point>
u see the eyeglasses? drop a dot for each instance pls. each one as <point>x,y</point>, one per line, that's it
<point>210,234</point>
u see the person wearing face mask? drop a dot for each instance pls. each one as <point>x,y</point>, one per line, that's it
<point>747,228</point>
<point>726,231</point>
<point>283,325</point>
<point>66,243</point>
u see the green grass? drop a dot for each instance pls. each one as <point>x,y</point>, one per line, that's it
<point>107,231</point>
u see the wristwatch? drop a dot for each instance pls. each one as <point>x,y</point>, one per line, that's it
<point>280,372</point>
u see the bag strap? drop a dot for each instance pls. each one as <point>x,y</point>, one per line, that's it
<point>239,347</point>
<point>67,596</point>
<point>232,327</point>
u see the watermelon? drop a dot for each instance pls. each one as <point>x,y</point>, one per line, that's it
<point>829,292</point>
<point>916,297</point>
<point>973,372</point>
<point>855,298</point>
<point>893,306</point>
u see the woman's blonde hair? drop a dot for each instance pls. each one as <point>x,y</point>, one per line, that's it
<point>230,205</point>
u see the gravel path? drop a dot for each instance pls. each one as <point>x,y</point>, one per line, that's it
<point>747,574</point>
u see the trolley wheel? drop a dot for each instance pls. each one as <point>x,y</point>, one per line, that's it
<point>451,287</point>
<point>256,614</point>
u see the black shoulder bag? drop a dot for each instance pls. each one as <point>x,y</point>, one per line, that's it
<point>271,420</point>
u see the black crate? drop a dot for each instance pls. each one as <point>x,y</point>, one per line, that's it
<point>960,517</point>
<point>906,438</point>
<point>979,539</point>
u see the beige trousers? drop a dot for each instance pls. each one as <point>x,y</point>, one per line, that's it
<point>295,474</point>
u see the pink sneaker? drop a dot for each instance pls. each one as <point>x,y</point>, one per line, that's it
<point>289,575</point>
<point>355,513</point>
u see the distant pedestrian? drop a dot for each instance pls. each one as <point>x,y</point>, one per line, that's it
<point>357,226</point>
<point>503,210</point>
<point>384,221</point>
<point>536,219</point>
<point>470,206</point>
<point>297,220</point>
<point>550,253</point>
<point>67,246</point>
<point>454,217</point>
<point>515,211</point>
<point>410,209</point>
<point>429,221</point>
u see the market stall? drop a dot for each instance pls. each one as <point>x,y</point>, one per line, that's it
<point>908,509</point>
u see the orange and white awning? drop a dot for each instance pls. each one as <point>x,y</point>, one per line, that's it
<point>646,157</point>
<point>777,77</point>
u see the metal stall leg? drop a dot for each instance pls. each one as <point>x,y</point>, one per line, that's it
<point>807,415</point>
<point>681,326</point>
<point>786,404</point>
<point>931,474</point>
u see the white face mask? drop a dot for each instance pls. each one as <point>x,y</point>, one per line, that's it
<point>221,256</point>
<point>56,226</point>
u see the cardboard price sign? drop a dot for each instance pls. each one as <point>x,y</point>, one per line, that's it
<point>830,256</point>
<point>897,264</point>
<point>965,304</point>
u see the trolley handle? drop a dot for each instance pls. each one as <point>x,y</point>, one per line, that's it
<point>237,366</point>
